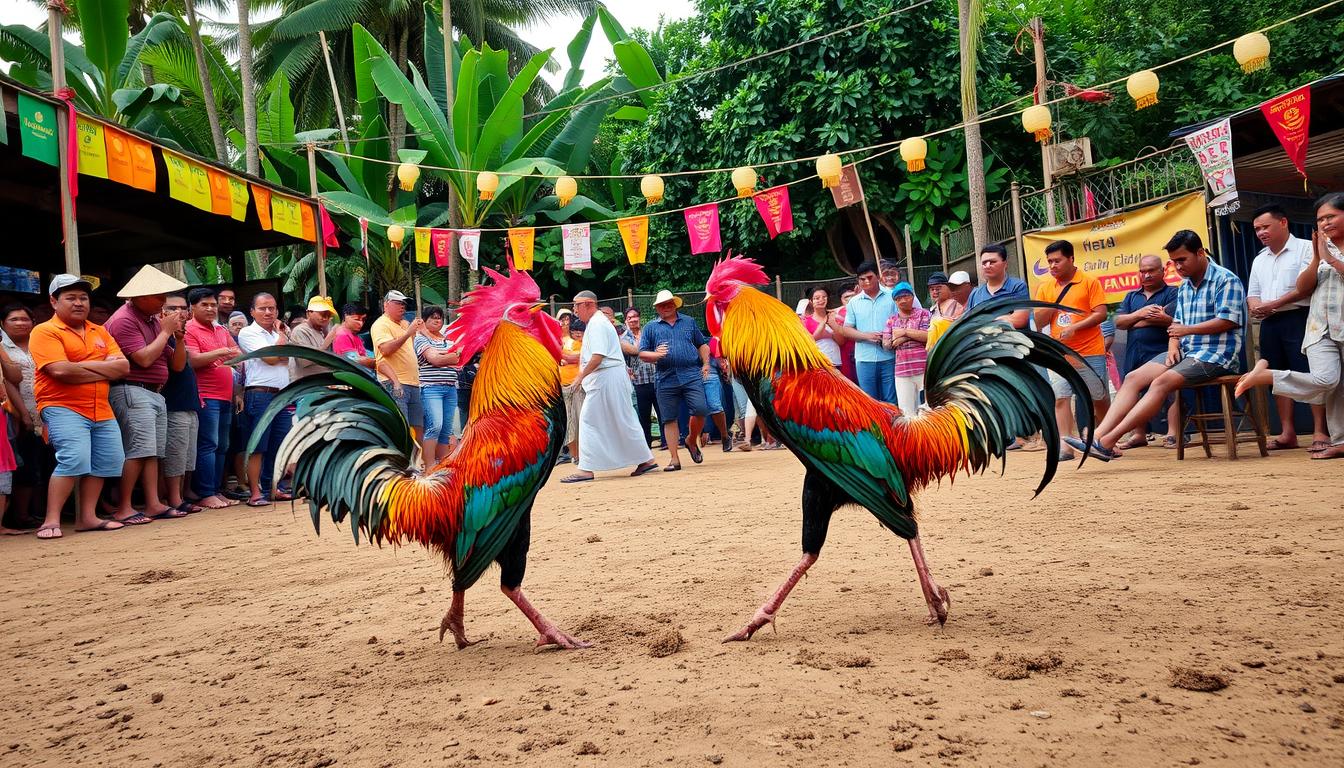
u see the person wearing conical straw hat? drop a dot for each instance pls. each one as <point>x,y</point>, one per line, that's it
<point>145,332</point>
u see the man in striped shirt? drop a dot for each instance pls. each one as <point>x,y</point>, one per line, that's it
<point>1204,343</point>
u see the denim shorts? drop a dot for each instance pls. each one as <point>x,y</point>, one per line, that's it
<point>1192,370</point>
<point>1097,389</point>
<point>409,403</point>
<point>83,446</point>
<point>672,394</point>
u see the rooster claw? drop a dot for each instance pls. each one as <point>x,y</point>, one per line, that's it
<point>453,623</point>
<point>554,636</point>
<point>939,608</point>
<point>759,620</point>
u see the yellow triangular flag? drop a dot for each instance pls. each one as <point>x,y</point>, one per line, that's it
<point>635,235</point>
<point>422,238</point>
<point>521,242</point>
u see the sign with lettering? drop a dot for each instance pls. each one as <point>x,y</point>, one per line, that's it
<point>1109,249</point>
<point>1213,150</point>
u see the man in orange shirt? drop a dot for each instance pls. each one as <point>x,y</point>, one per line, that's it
<point>74,360</point>
<point>1081,331</point>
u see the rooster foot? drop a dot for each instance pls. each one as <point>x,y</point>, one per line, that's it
<point>552,635</point>
<point>757,621</point>
<point>452,622</point>
<point>939,607</point>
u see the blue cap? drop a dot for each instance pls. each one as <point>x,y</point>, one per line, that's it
<point>902,287</point>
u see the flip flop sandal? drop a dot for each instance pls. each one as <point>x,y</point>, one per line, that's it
<point>643,469</point>
<point>171,513</point>
<point>672,468</point>
<point>262,502</point>
<point>577,479</point>
<point>696,454</point>
<point>101,527</point>
<point>1275,445</point>
<point>139,518</point>
<point>1318,446</point>
<point>52,537</point>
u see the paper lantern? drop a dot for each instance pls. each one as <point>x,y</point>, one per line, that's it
<point>1251,52</point>
<point>1036,120</point>
<point>1142,87</point>
<point>651,187</point>
<point>829,169</point>
<point>744,181</point>
<point>487,183</point>
<point>565,189</point>
<point>396,235</point>
<point>407,174</point>
<point>913,152</point>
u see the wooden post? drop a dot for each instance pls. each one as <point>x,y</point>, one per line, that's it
<point>942,237</point>
<point>454,203</point>
<point>779,289</point>
<point>629,298</point>
<point>1038,43</point>
<point>909,257</point>
<point>867,218</point>
<point>1016,194</point>
<point>63,138</point>
<point>335,94</point>
<point>320,245</point>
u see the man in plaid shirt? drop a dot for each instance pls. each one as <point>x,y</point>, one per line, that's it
<point>1205,343</point>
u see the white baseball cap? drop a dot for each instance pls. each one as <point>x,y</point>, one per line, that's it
<point>395,296</point>
<point>959,278</point>
<point>61,282</point>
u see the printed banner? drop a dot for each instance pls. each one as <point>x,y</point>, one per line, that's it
<point>221,196</point>
<point>848,191</point>
<point>702,224</point>
<point>773,205</point>
<point>577,245</point>
<point>92,148</point>
<point>635,235</point>
<point>1290,117</point>
<point>285,216</point>
<point>1213,149</point>
<point>200,187</point>
<point>182,181</point>
<point>237,199</point>
<point>441,243</point>
<point>422,245</point>
<point>37,130</point>
<point>364,237</point>
<point>469,245</point>
<point>329,237</point>
<point>1109,249</point>
<point>522,241</point>
<point>263,197</point>
<point>130,160</point>
<point>307,223</point>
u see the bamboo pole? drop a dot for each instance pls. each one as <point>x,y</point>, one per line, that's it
<point>1016,194</point>
<point>454,214</point>
<point>69,227</point>
<point>320,246</point>
<point>779,289</point>
<point>867,218</point>
<point>335,94</point>
<point>1038,44</point>
<point>909,257</point>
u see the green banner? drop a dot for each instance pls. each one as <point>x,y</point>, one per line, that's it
<point>37,129</point>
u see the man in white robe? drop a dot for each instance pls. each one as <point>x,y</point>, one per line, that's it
<point>608,431</point>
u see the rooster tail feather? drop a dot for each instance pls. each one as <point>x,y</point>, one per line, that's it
<point>986,371</point>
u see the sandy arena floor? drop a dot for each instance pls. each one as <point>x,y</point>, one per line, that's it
<point>241,638</point>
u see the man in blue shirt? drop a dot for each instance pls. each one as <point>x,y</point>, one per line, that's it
<point>1145,314</point>
<point>865,319</point>
<point>680,354</point>
<point>1204,342</point>
<point>996,284</point>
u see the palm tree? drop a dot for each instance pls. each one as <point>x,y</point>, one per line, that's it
<point>970,22</point>
<point>207,87</point>
<point>250,153</point>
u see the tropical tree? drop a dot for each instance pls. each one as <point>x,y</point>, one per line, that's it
<point>250,154</point>
<point>970,24</point>
<point>207,84</point>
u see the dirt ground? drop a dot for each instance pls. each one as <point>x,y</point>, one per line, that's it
<point>242,638</point>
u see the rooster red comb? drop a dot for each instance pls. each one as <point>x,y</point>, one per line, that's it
<point>483,308</point>
<point>734,269</point>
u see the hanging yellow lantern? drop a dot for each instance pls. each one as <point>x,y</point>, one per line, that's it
<point>487,183</point>
<point>396,235</point>
<point>565,189</point>
<point>829,169</point>
<point>1142,87</point>
<point>407,174</point>
<point>1036,120</point>
<point>1251,51</point>
<point>744,181</point>
<point>651,187</point>
<point>913,152</point>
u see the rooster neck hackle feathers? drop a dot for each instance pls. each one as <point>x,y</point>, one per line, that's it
<point>516,371</point>
<point>761,337</point>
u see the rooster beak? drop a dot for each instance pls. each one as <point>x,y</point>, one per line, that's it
<point>537,307</point>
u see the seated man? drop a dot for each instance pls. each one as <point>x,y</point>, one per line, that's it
<point>1204,343</point>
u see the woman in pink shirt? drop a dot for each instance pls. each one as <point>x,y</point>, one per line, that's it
<point>818,322</point>
<point>211,345</point>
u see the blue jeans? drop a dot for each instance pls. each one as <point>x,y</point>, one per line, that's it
<point>463,408</point>
<point>255,403</point>
<point>212,447</point>
<point>878,380</point>
<point>440,405</point>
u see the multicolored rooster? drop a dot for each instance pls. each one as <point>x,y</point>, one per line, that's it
<point>981,393</point>
<point>354,455</point>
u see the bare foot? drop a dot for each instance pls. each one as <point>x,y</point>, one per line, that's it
<point>1259,376</point>
<point>1333,452</point>
<point>49,532</point>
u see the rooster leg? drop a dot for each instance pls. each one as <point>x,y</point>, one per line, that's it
<point>549,634</point>
<point>452,621</point>
<point>766,613</point>
<point>937,598</point>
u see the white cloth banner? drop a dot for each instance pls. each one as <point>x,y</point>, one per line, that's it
<point>577,239</point>
<point>469,245</point>
<point>1212,147</point>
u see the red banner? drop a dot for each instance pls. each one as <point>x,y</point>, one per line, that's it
<point>441,243</point>
<point>329,237</point>
<point>1290,117</point>
<point>702,223</point>
<point>773,205</point>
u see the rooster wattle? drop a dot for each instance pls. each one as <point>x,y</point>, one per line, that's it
<point>355,456</point>
<point>981,389</point>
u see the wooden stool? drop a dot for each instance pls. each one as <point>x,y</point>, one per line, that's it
<point>1229,416</point>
